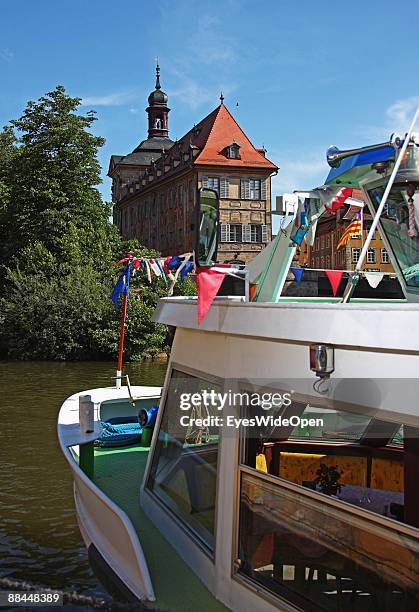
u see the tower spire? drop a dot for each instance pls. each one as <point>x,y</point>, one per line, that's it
<point>222,98</point>
<point>158,86</point>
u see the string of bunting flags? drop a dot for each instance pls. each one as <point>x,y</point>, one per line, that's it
<point>171,269</point>
<point>335,276</point>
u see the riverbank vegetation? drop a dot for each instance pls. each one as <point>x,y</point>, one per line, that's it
<point>57,245</point>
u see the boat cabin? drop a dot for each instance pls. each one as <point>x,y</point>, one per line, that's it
<point>308,504</point>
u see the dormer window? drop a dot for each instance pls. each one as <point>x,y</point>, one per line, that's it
<point>233,151</point>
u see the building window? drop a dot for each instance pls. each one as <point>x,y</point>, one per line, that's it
<point>355,255</point>
<point>254,189</point>
<point>371,256</point>
<point>243,233</point>
<point>224,187</point>
<point>255,233</point>
<point>375,236</point>
<point>231,232</point>
<point>384,256</point>
<point>236,233</point>
<point>250,189</point>
<point>211,182</point>
<point>233,151</point>
<point>328,262</point>
<point>327,241</point>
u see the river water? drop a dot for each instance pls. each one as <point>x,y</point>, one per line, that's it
<point>39,537</point>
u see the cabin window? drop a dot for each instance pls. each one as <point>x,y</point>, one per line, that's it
<point>306,483</point>
<point>183,473</point>
<point>400,223</point>
<point>316,557</point>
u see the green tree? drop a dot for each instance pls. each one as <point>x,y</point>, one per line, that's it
<point>57,248</point>
<point>52,175</point>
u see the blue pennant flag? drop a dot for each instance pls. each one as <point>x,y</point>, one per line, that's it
<point>298,273</point>
<point>174,263</point>
<point>185,270</point>
<point>301,224</point>
<point>122,285</point>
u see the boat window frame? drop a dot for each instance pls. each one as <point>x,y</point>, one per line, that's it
<point>198,540</point>
<point>366,187</point>
<point>356,512</point>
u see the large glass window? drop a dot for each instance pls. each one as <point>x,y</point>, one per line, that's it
<point>313,555</point>
<point>400,221</point>
<point>306,478</point>
<point>183,473</point>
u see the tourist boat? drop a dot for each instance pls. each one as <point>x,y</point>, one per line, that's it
<point>316,506</point>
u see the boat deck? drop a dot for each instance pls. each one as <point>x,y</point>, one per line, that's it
<point>118,473</point>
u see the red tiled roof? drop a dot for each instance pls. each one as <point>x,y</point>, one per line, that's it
<point>218,130</point>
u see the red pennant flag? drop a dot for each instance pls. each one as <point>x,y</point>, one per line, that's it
<point>334,276</point>
<point>339,199</point>
<point>208,283</point>
<point>121,261</point>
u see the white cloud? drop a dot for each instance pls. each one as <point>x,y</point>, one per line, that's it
<point>301,173</point>
<point>396,120</point>
<point>194,94</point>
<point>115,99</point>
<point>400,114</point>
<point>6,55</point>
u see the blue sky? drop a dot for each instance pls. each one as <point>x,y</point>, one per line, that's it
<point>305,74</point>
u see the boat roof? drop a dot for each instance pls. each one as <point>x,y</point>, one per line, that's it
<point>379,325</point>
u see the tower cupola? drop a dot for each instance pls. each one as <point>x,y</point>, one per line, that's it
<point>158,124</point>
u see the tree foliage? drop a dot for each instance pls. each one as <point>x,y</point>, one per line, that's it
<point>57,246</point>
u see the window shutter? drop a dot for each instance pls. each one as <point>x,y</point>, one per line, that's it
<point>224,185</point>
<point>245,189</point>
<point>225,232</point>
<point>264,233</point>
<point>246,232</point>
<point>204,181</point>
<point>263,190</point>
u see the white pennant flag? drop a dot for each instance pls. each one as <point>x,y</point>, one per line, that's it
<point>374,278</point>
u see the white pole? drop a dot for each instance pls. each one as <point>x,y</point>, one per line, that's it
<point>118,377</point>
<point>349,287</point>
